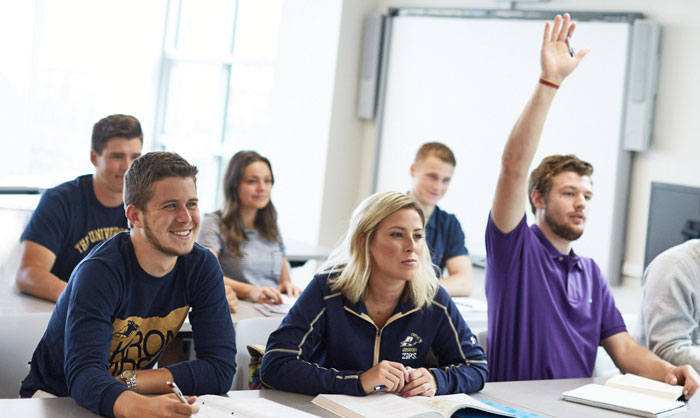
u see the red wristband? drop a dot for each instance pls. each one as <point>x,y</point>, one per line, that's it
<point>549,83</point>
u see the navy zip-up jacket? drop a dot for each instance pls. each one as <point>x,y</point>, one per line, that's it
<point>325,342</point>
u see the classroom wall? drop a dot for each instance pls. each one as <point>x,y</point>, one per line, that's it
<point>675,149</point>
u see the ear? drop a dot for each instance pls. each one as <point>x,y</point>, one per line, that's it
<point>413,170</point>
<point>93,157</point>
<point>537,199</point>
<point>135,216</point>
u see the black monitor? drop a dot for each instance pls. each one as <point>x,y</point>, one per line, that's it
<point>674,217</point>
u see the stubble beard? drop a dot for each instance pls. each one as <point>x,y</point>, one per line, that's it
<point>562,230</point>
<point>159,246</point>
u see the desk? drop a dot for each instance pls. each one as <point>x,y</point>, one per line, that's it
<point>542,397</point>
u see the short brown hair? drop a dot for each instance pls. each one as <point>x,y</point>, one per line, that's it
<point>542,177</point>
<point>150,168</point>
<point>437,149</point>
<point>115,126</point>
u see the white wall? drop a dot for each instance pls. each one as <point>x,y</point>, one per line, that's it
<point>674,155</point>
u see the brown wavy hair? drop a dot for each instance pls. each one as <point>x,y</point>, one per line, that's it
<point>231,223</point>
<point>542,177</point>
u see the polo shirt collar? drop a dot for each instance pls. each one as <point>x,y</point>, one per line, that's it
<point>572,258</point>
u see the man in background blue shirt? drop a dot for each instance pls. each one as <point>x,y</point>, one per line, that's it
<point>432,171</point>
<point>73,217</point>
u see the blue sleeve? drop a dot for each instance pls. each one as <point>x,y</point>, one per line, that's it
<point>88,336</point>
<point>288,363</point>
<point>48,223</point>
<point>455,245</point>
<point>212,330</point>
<point>462,366</point>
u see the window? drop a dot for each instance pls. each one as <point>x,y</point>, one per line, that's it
<point>218,74</point>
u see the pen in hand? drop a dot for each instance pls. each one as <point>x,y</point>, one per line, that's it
<point>568,44</point>
<point>176,391</point>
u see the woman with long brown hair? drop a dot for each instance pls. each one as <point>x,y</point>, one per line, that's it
<point>244,234</point>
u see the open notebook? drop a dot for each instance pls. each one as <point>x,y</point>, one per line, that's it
<point>387,405</point>
<point>215,406</point>
<point>631,394</point>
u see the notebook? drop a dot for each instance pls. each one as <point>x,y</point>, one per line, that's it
<point>382,404</point>
<point>215,406</point>
<point>631,394</point>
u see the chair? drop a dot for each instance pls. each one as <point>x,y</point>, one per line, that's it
<point>481,339</point>
<point>250,331</point>
<point>19,336</point>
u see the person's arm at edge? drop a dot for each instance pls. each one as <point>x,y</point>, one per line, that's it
<point>34,275</point>
<point>460,278</point>
<point>511,189</point>
<point>668,307</point>
<point>630,357</point>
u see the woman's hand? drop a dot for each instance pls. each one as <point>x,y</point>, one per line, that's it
<point>231,298</point>
<point>288,288</point>
<point>420,383</point>
<point>266,294</point>
<point>387,376</point>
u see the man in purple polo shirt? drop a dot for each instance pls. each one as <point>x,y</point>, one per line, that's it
<point>549,309</point>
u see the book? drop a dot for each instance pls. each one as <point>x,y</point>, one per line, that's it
<point>631,394</point>
<point>382,404</point>
<point>215,406</point>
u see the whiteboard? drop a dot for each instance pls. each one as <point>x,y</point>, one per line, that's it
<point>463,80</point>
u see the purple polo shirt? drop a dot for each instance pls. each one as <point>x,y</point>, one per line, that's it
<point>548,311</point>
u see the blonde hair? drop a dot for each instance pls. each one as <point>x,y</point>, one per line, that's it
<point>351,259</point>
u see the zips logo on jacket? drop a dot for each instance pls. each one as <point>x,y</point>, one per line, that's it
<point>408,346</point>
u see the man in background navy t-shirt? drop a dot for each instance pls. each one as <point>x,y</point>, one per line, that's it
<point>431,172</point>
<point>77,215</point>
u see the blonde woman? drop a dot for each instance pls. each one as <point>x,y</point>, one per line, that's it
<point>368,321</point>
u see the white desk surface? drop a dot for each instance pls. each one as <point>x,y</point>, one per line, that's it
<point>542,397</point>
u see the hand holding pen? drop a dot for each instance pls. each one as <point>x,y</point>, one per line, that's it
<point>176,390</point>
<point>386,376</point>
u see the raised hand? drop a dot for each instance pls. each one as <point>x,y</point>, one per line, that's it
<point>556,60</point>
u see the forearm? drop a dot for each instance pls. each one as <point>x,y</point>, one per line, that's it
<point>243,290</point>
<point>522,143</point>
<point>638,360</point>
<point>283,370</point>
<point>39,282</point>
<point>151,381</point>
<point>464,379</point>
<point>458,284</point>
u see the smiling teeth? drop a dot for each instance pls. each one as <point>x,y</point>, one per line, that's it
<point>182,234</point>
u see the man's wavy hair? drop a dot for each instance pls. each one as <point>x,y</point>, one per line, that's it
<point>542,177</point>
